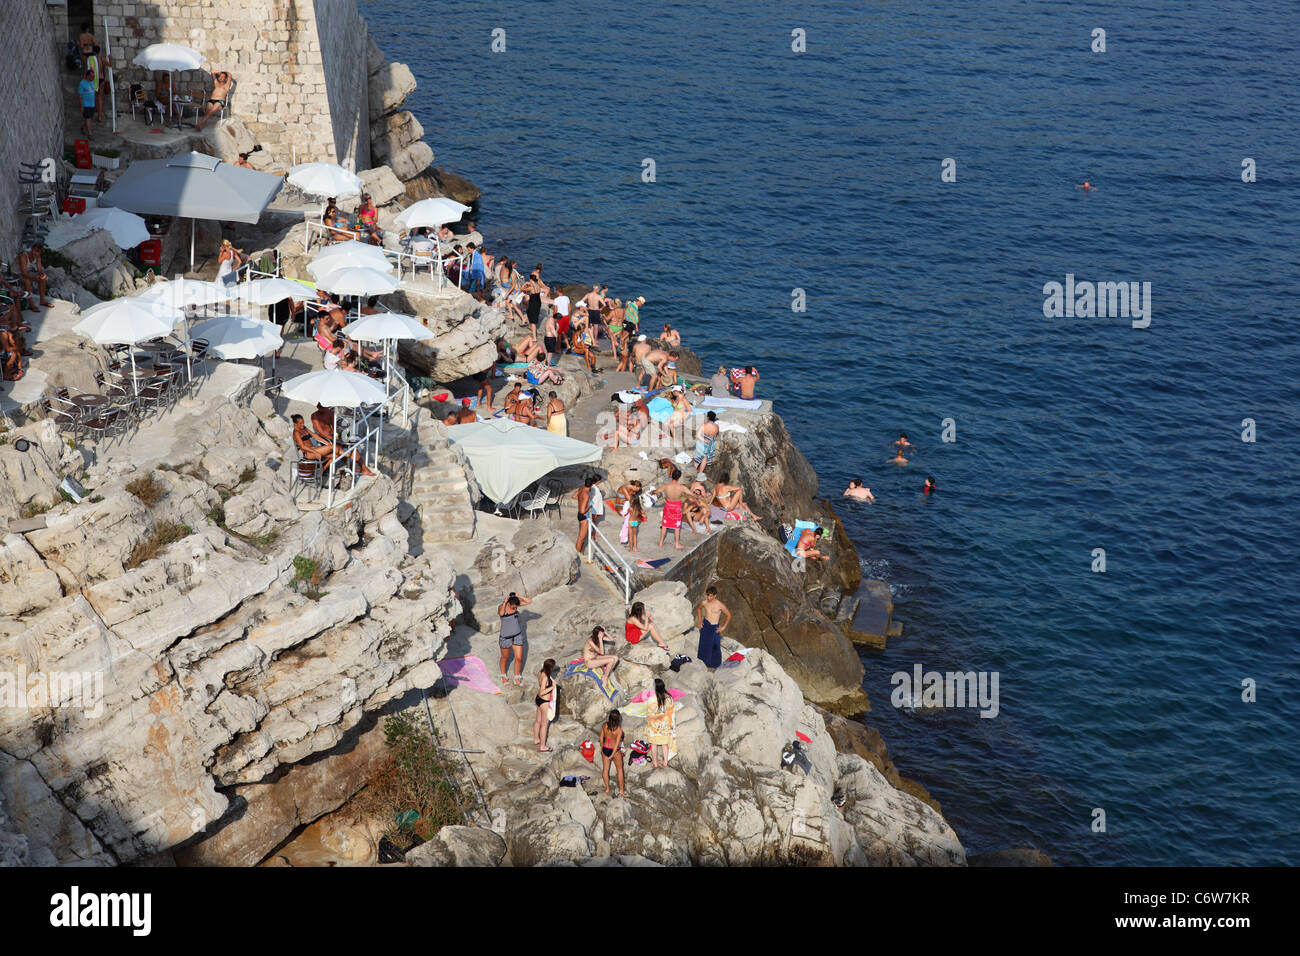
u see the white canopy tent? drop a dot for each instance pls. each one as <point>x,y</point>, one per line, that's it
<point>508,456</point>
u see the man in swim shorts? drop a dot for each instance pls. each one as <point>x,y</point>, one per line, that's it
<point>674,494</point>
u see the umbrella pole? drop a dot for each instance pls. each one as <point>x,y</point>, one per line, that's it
<point>191,245</point>
<point>334,434</point>
<point>135,382</point>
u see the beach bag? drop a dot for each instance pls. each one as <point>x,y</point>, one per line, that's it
<point>589,751</point>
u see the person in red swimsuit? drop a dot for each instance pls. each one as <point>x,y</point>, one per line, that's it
<point>639,623</point>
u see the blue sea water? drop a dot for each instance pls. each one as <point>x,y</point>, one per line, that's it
<point>1119,691</point>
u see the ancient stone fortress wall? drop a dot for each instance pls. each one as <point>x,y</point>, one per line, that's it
<point>300,65</point>
<point>31,105</point>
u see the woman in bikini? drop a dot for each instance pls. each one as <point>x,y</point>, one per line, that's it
<point>593,652</point>
<point>545,691</point>
<point>368,219</point>
<point>524,409</point>
<point>639,623</point>
<point>611,749</point>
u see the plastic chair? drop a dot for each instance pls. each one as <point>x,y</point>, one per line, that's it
<point>534,503</point>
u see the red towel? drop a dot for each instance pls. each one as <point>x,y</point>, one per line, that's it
<point>672,518</point>
<point>802,736</point>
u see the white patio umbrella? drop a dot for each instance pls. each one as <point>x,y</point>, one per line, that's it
<point>507,456</point>
<point>239,337</point>
<point>172,57</point>
<point>388,328</point>
<point>334,388</point>
<point>271,291</point>
<point>325,179</point>
<point>127,321</point>
<point>357,280</point>
<point>127,229</point>
<point>184,292</point>
<point>361,256</point>
<point>434,212</point>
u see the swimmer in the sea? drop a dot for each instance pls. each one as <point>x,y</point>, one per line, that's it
<point>902,441</point>
<point>859,491</point>
<point>1086,186</point>
<point>897,459</point>
<point>930,487</point>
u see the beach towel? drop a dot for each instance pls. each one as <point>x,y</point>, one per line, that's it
<point>732,427</point>
<point>656,563</point>
<point>468,672</point>
<point>736,659</point>
<point>578,669</point>
<point>649,692</point>
<point>672,517</point>
<point>660,409</point>
<point>726,401</point>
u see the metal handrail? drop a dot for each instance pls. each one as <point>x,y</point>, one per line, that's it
<point>607,558</point>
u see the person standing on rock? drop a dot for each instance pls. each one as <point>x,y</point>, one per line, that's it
<point>556,421</point>
<point>551,340</point>
<point>674,494</point>
<point>583,495</point>
<point>533,310</point>
<point>611,749</point>
<point>659,724</point>
<point>545,691</point>
<point>511,639</point>
<point>712,618</point>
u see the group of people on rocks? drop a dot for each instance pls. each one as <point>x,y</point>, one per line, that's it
<point>599,654</point>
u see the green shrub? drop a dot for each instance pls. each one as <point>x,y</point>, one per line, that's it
<point>415,776</point>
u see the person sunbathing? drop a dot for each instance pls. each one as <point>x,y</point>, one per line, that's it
<point>324,453</point>
<point>221,83</point>
<point>539,373</point>
<point>631,423</point>
<point>528,349</point>
<point>466,415</point>
<point>13,355</point>
<point>524,409</point>
<point>671,337</point>
<point>584,344</point>
<point>593,652</point>
<point>729,497</point>
<point>807,546</point>
<point>639,623</point>
<point>31,273</point>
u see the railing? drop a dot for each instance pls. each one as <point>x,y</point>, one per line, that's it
<point>606,556</point>
<point>326,232</point>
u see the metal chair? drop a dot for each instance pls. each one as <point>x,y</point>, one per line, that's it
<point>65,414</point>
<point>307,471</point>
<point>534,503</point>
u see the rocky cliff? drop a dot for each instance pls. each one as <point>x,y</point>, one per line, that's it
<point>205,633</point>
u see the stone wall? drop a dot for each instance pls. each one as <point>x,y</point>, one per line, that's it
<point>31,105</point>
<point>299,65</point>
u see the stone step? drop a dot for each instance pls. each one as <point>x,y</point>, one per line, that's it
<point>449,483</point>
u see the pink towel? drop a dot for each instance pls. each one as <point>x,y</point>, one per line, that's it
<point>468,672</point>
<point>645,695</point>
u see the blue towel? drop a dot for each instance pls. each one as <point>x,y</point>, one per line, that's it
<point>794,535</point>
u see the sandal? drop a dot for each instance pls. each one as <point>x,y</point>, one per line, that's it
<point>519,681</point>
